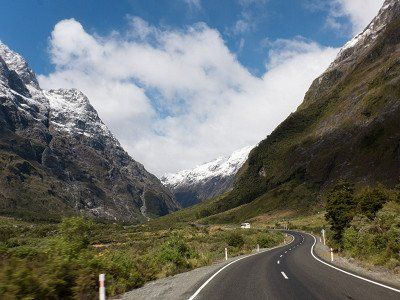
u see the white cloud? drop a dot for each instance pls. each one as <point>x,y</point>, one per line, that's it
<point>348,16</point>
<point>360,12</point>
<point>252,11</point>
<point>178,98</point>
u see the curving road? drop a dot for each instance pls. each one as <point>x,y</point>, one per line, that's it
<point>289,272</point>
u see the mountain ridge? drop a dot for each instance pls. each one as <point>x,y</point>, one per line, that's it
<point>347,127</point>
<point>206,180</point>
<point>58,158</point>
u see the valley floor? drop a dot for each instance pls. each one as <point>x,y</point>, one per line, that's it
<point>185,285</point>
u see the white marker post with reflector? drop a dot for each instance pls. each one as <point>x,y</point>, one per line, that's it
<point>331,254</point>
<point>102,287</point>
<point>226,253</point>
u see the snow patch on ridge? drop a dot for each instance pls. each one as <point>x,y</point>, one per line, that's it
<point>71,111</point>
<point>16,63</point>
<point>220,167</point>
<point>368,36</point>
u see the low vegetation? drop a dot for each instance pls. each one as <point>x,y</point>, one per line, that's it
<point>63,260</point>
<point>365,224</point>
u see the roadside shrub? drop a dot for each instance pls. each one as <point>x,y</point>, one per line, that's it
<point>376,241</point>
<point>340,208</point>
<point>268,240</point>
<point>370,200</point>
<point>350,238</point>
<point>235,239</point>
<point>76,231</point>
<point>176,251</point>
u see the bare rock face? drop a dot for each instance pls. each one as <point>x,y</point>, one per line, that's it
<point>207,180</point>
<point>58,158</point>
<point>348,127</point>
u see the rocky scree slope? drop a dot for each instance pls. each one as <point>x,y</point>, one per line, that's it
<point>58,158</point>
<point>207,180</point>
<point>348,127</point>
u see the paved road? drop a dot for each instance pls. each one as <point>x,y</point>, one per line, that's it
<point>289,272</point>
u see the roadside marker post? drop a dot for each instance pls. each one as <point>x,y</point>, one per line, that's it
<point>226,253</point>
<point>331,254</point>
<point>102,287</point>
<point>258,248</point>
<point>323,235</point>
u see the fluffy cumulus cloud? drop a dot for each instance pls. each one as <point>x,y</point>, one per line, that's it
<point>177,98</point>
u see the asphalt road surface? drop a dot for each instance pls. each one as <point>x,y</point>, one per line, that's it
<point>289,272</point>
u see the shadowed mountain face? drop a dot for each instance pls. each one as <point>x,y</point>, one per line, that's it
<point>58,158</point>
<point>348,126</point>
<point>207,180</point>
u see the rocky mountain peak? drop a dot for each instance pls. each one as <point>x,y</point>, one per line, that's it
<point>17,63</point>
<point>71,111</point>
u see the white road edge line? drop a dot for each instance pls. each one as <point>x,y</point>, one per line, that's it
<point>348,273</point>
<point>232,262</point>
<point>284,275</point>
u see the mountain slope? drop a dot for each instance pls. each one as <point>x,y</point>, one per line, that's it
<point>207,180</point>
<point>58,158</point>
<point>348,126</point>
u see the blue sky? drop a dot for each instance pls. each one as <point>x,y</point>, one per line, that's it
<point>33,21</point>
<point>180,82</point>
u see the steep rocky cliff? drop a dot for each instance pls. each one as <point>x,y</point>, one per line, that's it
<point>58,158</point>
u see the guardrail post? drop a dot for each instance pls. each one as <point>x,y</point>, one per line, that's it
<point>226,253</point>
<point>102,287</point>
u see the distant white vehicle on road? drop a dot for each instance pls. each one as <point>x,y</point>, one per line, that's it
<point>245,225</point>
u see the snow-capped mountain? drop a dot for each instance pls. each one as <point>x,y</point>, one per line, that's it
<point>58,158</point>
<point>207,180</point>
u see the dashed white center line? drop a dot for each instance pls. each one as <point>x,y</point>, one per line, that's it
<point>278,262</point>
<point>281,255</point>
<point>284,275</point>
<point>285,251</point>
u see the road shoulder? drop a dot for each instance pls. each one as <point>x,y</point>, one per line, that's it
<point>376,273</point>
<point>183,285</point>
